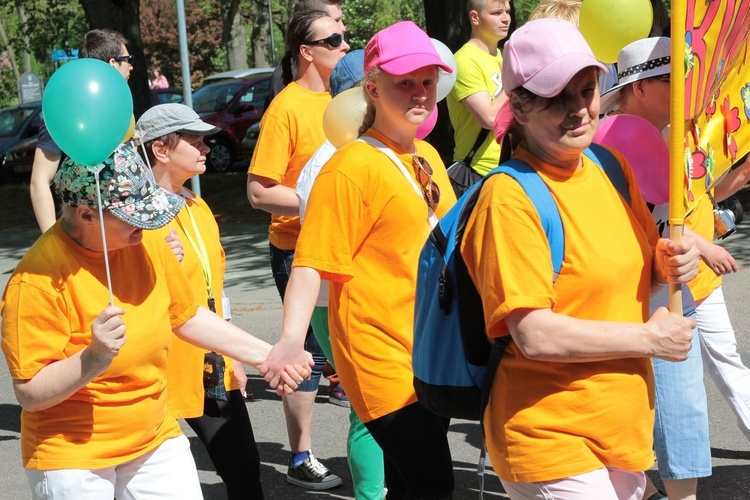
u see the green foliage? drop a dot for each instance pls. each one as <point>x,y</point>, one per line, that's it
<point>523,9</point>
<point>364,18</point>
<point>8,87</point>
<point>161,43</point>
<point>50,24</point>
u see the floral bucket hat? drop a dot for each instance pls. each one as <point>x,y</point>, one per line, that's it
<point>127,189</point>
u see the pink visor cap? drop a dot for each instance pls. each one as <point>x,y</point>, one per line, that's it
<point>400,49</point>
<point>544,55</point>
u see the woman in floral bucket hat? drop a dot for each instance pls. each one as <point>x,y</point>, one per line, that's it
<point>91,376</point>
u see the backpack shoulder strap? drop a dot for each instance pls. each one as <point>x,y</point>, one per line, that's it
<point>545,204</point>
<point>607,162</point>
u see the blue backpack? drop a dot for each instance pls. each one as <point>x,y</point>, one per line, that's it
<point>452,359</point>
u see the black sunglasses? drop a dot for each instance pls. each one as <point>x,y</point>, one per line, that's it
<point>334,40</point>
<point>129,58</point>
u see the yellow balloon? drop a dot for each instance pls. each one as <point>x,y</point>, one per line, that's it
<point>609,25</point>
<point>344,115</point>
<point>131,129</point>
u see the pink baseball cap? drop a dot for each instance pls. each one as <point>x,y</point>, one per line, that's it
<point>544,55</point>
<point>402,48</point>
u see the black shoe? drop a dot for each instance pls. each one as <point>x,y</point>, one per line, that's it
<point>312,474</point>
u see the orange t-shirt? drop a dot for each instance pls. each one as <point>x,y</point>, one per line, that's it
<point>701,220</point>
<point>290,132</point>
<point>364,229</point>
<point>50,302</point>
<point>185,361</point>
<point>548,420</point>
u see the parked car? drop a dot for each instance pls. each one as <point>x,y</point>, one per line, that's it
<point>164,96</point>
<point>17,124</point>
<point>237,74</point>
<point>16,161</point>
<point>249,141</point>
<point>233,106</point>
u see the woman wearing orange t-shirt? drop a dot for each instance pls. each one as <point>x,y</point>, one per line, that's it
<point>570,412</point>
<point>369,213</point>
<point>290,132</point>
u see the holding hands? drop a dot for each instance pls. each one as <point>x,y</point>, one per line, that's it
<point>286,366</point>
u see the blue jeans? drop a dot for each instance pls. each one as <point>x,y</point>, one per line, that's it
<point>683,450</point>
<point>281,268</point>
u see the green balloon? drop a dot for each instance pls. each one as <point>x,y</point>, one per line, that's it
<point>87,109</point>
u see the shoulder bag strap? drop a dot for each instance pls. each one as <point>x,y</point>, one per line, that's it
<point>480,139</point>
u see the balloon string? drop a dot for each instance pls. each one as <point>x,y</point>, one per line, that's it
<point>104,240</point>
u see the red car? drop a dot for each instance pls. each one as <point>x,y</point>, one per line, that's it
<point>233,106</point>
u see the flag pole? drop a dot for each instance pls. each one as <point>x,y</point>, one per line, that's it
<point>676,142</point>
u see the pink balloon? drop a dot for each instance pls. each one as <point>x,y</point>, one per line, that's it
<point>645,149</point>
<point>429,124</point>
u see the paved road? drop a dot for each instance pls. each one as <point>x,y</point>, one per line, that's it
<point>258,310</point>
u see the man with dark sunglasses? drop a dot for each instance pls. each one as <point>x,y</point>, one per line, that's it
<point>105,45</point>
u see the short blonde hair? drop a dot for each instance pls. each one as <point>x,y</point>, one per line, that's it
<point>569,10</point>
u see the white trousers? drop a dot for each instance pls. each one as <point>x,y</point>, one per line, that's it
<point>607,483</point>
<point>168,472</point>
<point>720,357</point>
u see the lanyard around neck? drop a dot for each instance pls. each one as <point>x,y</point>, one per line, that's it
<point>199,246</point>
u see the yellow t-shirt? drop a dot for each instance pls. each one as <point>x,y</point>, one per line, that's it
<point>364,229</point>
<point>701,220</point>
<point>548,420</point>
<point>476,71</point>
<point>185,361</point>
<point>50,302</point>
<point>290,132</point>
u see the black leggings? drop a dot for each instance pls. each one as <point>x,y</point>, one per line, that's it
<point>417,457</point>
<point>227,433</point>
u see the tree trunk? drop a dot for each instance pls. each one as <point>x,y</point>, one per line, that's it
<point>11,52</point>
<point>233,34</point>
<point>259,36</point>
<point>447,21</point>
<point>25,35</point>
<point>123,16</point>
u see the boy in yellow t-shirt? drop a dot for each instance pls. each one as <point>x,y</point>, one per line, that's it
<point>477,95</point>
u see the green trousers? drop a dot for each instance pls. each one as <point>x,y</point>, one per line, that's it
<point>363,454</point>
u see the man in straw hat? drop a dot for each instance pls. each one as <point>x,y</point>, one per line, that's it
<point>643,82</point>
<point>95,422</point>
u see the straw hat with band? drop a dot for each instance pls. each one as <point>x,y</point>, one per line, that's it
<point>640,60</point>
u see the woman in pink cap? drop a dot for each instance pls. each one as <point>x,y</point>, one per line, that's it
<point>369,213</point>
<point>570,414</point>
